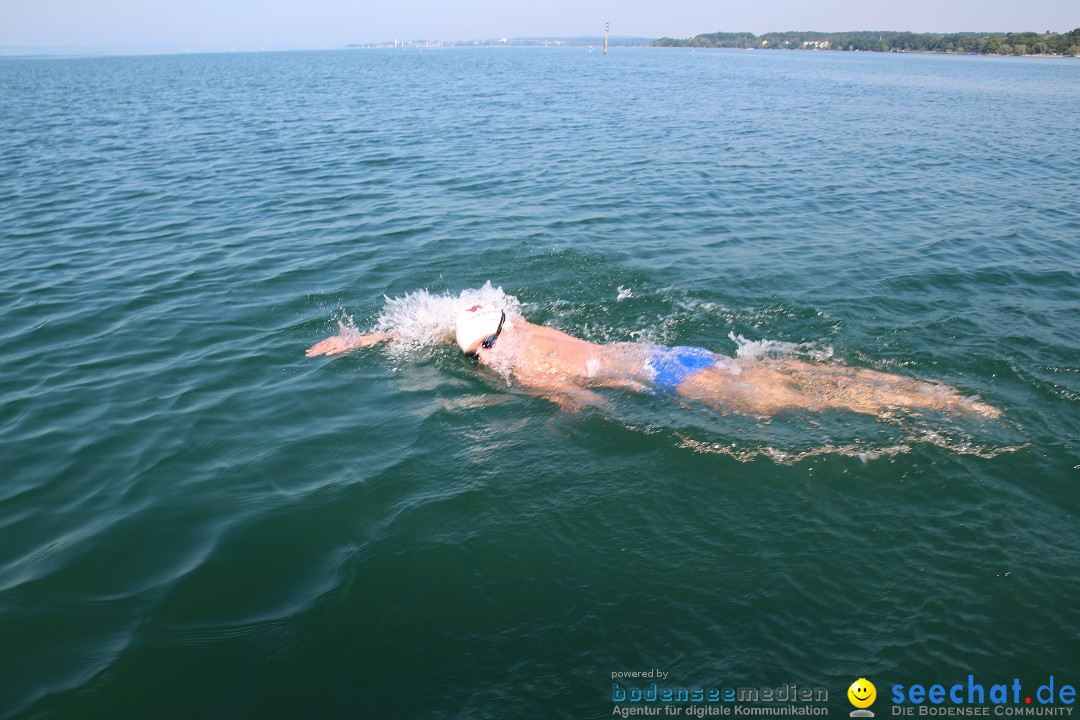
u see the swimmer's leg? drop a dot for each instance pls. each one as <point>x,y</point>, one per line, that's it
<point>754,389</point>
<point>875,392</point>
<point>773,386</point>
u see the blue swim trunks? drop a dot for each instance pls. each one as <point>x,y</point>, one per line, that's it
<point>671,365</point>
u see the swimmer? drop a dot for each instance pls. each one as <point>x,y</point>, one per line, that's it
<point>567,369</point>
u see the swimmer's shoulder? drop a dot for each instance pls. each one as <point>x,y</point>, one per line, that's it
<point>543,332</point>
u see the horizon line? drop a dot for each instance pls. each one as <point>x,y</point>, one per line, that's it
<point>179,47</point>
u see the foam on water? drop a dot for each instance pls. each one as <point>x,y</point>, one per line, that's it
<point>753,349</point>
<point>865,451</point>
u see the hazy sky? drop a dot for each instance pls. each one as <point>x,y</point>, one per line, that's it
<point>252,24</point>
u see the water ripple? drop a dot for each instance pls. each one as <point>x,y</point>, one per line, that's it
<point>189,502</point>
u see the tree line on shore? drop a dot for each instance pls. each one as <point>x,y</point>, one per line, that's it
<point>1022,43</point>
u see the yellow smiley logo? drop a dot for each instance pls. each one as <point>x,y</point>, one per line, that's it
<point>862,693</point>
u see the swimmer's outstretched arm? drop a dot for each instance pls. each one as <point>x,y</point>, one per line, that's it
<point>575,399</point>
<point>346,339</point>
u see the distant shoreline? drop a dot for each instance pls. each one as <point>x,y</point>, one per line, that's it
<point>1046,44</point>
<point>583,41</point>
<point>1028,44</point>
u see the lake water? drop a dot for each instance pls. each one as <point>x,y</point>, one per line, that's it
<point>198,521</point>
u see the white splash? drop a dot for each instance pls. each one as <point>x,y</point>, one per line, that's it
<point>752,349</point>
<point>420,320</point>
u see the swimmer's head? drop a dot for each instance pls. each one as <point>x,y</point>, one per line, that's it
<point>477,325</point>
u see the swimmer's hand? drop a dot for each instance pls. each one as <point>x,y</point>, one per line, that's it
<point>574,400</point>
<point>346,339</point>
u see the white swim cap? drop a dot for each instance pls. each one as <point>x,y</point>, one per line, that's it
<point>476,323</point>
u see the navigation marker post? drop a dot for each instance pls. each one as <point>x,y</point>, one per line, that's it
<point>607,26</point>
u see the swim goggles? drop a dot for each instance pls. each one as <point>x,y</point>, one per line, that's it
<point>489,342</point>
